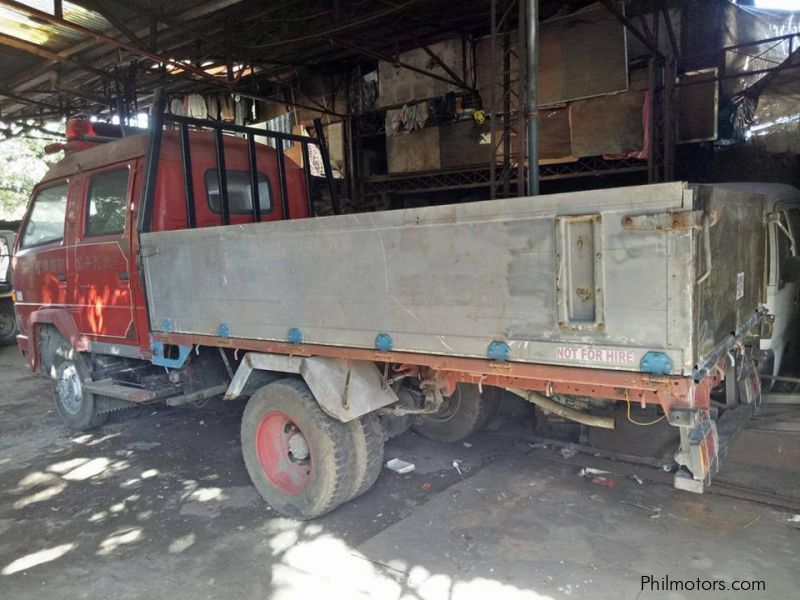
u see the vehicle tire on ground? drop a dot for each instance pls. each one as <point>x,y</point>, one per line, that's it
<point>78,408</point>
<point>301,461</point>
<point>8,322</point>
<point>461,415</point>
<point>368,439</point>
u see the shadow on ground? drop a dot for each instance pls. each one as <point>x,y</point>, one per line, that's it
<point>157,504</point>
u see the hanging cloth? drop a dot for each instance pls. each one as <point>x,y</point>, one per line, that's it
<point>212,107</point>
<point>240,109</point>
<point>226,109</point>
<point>197,106</point>
<point>176,107</point>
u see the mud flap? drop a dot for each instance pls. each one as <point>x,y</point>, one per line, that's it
<point>698,453</point>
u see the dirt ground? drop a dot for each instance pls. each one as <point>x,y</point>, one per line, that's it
<point>157,504</point>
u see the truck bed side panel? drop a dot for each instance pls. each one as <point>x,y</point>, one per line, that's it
<point>446,280</point>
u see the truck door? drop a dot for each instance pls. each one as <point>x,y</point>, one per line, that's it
<point>40,271</point>
<point>100,264</point>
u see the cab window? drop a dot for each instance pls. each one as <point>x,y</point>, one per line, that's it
<point>108,192</point>
<point>46,221</point>
<point>239,199</point>
<point>787,231</point>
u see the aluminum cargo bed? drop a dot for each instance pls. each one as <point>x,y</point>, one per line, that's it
<point>576,279</point>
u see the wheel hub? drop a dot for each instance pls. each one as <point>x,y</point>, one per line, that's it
<point>298,447</point>
<point>283,453</point>
<point>69,389</point>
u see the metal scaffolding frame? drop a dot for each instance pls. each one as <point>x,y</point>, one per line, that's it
<point>507,110</point>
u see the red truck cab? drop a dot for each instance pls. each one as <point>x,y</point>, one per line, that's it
<point>75,261</point>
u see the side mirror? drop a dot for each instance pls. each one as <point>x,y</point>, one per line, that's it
<point>790,269</point>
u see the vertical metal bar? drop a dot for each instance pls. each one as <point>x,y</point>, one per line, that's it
<point>326,163</point>
<point>251,156</point>
<point>282,176</point>
<point>506,113</point>
<point>222,176</point>
<point>533,103</point>
<point>347,126</point>
<point>309,180</point>
<point>352,129</point>
<point>522,111</point>
<point>652,175</point>
<point>670,73</point>
<point>151,165</point>
<point>186,158</point>
<point>493,99</point>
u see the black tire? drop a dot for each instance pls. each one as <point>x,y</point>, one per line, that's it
<point>8,322</point>
<point>78,408</point>
<point>461,415</point>
<point>324,481</point>
<point>368,439</point>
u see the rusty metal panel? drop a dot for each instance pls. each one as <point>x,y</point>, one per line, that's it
<point>698,106</point>
<point>399,85</point>
<point>734,286</point>
<point>608,124</point>
<point>445,280</point>
<point>582,55</point>
<point>408,152</point>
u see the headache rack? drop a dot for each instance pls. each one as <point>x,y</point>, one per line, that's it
<point>158,118</point>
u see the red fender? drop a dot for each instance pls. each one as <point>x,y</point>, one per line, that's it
<point>62,320</point>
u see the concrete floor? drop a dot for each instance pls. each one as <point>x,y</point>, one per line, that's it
<point>157,504</point>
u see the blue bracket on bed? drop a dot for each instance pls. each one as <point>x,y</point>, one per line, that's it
<point>384,342</point>
<point>656,363</point>
<point>498,350</point>
<point>295,336</point>
<point>161,360</point>
<point>223,331</point>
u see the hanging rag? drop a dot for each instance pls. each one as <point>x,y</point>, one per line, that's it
<point>314,156</point>
<point>197,106</point>
<point>416,115</point>
<point>212,107</point>
<point>226,109</point>
<point>408,118</point>
<point>240,109</point>
<point>176,107</point>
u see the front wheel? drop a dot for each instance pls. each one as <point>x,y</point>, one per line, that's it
<point>78,408</point>
<point>301,461</point>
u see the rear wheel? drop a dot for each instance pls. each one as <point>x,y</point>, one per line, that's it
<point>8,322</point>
<point>78,408</point>
<point>368,442</point>
<point>301,461</point>
<point>460,415</point>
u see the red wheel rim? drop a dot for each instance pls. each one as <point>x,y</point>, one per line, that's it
<point>283,453</point>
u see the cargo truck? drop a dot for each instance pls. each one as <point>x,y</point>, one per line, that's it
<point>187,262</point>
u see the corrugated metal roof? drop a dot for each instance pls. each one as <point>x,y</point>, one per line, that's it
<point>275,37</point>
<point>52,37</point>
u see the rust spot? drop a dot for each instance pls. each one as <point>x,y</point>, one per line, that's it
<point>584,294</point>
